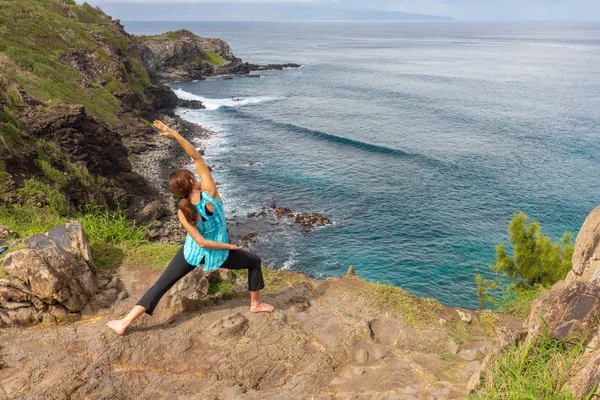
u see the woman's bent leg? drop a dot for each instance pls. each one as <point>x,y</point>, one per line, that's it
<point>177,269</point>
<point>241,259</point>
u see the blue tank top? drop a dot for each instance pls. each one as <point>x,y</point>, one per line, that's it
<point>212,228</point>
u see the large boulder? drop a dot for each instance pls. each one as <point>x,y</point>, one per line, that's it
<point>586,256</point>
<point>569,309</point>
<point>54,276</point>
<point>57,267</point>
<point>189,293</point>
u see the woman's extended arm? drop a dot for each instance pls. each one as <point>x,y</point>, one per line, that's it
<point>208,183</point>
<point>199,239</point>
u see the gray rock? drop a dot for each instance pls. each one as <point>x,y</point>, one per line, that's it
<point>5,233</point>
<point>56,267</point>
<point>452,347</point>
<point>470,369</point>
<point>152,212</point>
<point>586,255</point>
<point>351,271</point>
<point>568,309</point>
<point>228,326</point>
<point>588,375</point>
<point>189,293</point>
<point>469,354</point>
<point>465,317</point>
<point>219,275</point>
<point>361,356</point>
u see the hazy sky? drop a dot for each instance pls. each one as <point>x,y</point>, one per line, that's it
<point>586,10</point>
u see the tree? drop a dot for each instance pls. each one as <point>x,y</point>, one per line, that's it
<point>536,262</point>
<point>537,259</point>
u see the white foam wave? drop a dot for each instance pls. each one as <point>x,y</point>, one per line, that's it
<point>214,104</point>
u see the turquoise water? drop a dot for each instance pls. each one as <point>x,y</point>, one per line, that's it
<point>419,140</point>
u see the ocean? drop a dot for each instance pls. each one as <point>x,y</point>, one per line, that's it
<point>419,140</point>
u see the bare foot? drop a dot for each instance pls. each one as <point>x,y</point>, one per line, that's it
<point>262,307</point>
<point>117,326</point>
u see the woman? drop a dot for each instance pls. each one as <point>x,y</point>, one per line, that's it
<point>202,216</point>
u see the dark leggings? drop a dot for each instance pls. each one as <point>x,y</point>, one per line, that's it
<point>178,268</point>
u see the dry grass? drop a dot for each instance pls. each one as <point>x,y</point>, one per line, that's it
<point>415,311</point>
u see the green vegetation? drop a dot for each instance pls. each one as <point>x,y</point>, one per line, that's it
<point>113,239</point>
<point>276,280</point>
<point>220,287</point>
<point>537,370</point>
<point>32,47</point>
<point>488,322</point>
<point>536,264</point>
<point>416,311</point>
<point>213,58</point>
<point>166,36</point>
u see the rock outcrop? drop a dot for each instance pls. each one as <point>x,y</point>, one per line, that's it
<point>183,56</point>
<point>325,340</point>
<point>82,114</point>
<point>53,277</point>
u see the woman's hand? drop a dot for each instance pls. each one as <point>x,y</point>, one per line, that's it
<point>164,130</point>
<point>235,247</point>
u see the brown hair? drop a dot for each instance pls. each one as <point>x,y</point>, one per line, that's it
<point>181,185</point>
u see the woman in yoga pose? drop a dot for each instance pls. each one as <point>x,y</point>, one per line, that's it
<point>202,216</point>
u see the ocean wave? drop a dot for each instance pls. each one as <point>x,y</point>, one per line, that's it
<point>375,148</point>
<point>214,104</point>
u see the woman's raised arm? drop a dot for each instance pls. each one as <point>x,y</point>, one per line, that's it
<point>206,179</point>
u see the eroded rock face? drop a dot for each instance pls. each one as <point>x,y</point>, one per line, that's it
<point>568,309</point>
<point>586,256</point>
<point>55,275</point>
<point>587,376</point>
<point>188,294</point>
<point>182,55</point>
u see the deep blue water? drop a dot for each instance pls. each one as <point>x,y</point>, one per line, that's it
<point>419,140</point>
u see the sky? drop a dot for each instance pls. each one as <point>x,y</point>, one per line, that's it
<point>468,10</point>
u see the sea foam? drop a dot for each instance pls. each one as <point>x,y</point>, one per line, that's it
<point>214,104</point>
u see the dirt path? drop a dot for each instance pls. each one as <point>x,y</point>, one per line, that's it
<point>323,342</point>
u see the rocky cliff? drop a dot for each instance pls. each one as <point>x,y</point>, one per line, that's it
<point>181,55</point>
<point>340,338</point>
<point>75,99</point>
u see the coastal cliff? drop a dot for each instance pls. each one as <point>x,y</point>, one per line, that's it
<point>77,93</point>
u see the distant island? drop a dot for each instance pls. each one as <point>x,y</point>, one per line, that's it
<point>237,11</point>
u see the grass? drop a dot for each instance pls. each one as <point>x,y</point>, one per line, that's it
<point>519,300</point>
<point>35,33</point>
<point>220,287</point>
<point>276,280</point>
<point>537,370</point>
<point>458,331</point>
<point>213,58</point>
<point>487,322</point>
<point>415,311</point>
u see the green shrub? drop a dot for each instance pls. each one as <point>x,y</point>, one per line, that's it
<point>537,259</point>
<point>220,287</point>
<point>28,220</point>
